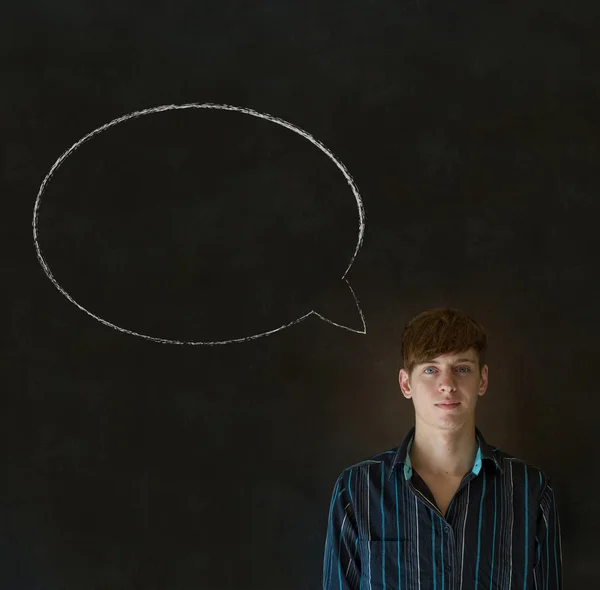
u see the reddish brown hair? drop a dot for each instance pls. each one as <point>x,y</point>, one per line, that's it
<point>442,330</point>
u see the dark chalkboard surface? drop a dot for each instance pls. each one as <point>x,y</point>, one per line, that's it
<point>191,439</point>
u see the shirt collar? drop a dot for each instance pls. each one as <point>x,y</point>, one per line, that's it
<point>402,457</point>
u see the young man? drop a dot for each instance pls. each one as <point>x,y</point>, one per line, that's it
<point>444,509</point>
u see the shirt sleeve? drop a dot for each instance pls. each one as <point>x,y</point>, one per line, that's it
<point>548,574</point>
<point>341,566</point>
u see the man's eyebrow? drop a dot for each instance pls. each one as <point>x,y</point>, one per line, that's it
<point>463,360</point>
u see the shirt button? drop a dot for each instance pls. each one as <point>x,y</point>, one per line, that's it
<point>446,529</point>
<point>448,568</point>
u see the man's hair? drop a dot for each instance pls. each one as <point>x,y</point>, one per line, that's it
<point>442,330</point>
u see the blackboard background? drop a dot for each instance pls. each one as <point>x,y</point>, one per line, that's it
<point>471,130</point>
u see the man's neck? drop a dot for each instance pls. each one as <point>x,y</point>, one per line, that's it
<point>441,453</point>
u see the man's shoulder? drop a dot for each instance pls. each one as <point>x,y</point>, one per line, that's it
<point>514,467</point>
<point>383,458</point>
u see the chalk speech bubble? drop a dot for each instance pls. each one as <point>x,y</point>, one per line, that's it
<point>224,107</point>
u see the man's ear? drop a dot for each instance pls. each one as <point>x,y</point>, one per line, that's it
<point>483,380</point>
<point>404,381</point>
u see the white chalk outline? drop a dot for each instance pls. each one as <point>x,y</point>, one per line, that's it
<point>316,142</point>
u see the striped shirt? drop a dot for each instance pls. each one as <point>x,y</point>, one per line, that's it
<point>386,532</point>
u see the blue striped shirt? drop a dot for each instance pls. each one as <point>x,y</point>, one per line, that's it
<point>386,532</point>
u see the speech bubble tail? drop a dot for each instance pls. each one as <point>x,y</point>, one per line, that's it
<point>342,304</point>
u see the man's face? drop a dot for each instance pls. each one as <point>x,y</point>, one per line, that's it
<point>448,377</point>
